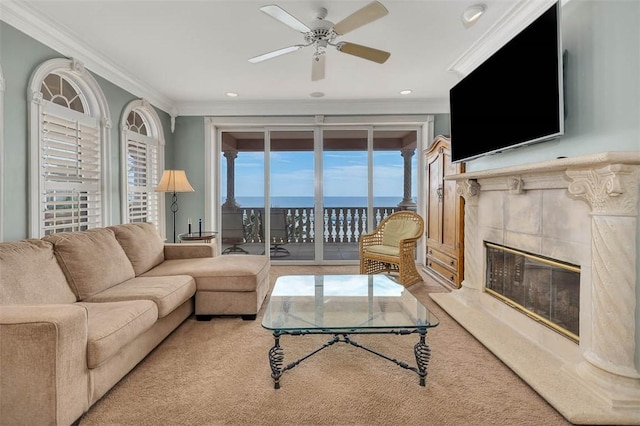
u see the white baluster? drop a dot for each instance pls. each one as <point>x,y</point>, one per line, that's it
<point>349,226</point>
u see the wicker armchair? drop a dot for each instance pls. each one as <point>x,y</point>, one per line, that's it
<point>391,247</point>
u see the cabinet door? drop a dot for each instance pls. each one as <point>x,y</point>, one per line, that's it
<point>450,206</point>
<point>434,206</point>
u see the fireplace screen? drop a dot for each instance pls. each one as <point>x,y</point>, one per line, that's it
<point>544,289</point>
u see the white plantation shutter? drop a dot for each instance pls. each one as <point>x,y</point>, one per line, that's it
<point>70,165</point>
<point>143,169</point>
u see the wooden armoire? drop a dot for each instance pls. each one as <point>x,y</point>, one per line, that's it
<point>444,216</point>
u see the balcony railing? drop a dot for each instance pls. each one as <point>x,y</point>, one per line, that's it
<point>339,224</point>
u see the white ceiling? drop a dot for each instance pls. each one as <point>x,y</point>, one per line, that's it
<point>181,53</point>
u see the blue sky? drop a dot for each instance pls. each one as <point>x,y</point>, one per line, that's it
<point>345,174</point>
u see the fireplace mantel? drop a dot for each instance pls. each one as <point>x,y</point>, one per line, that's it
<point>582,210</point>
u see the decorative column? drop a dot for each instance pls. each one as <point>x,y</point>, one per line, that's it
<point>470,190</point>
<point>407,203</point>
<point>230,203</point>
<point>612,193</point>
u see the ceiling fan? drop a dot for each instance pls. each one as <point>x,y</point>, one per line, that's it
<point>322,33</point>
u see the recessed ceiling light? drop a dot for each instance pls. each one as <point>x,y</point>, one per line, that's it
<point>406,92</point>
<point>232,94</point>
<point>472,14</point>
<point>316,94</point>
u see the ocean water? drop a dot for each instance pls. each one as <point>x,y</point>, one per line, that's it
<point>308,201</point>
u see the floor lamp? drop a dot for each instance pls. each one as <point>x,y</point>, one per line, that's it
<point>174,181</point>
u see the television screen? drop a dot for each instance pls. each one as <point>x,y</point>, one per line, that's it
<point>514,97</point>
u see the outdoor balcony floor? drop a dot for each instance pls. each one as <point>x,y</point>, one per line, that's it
<point>306,251</point>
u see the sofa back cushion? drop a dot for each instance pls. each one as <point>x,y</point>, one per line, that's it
<point>142,244</point>
<point>399,229</point>
<point>30,275</point>
<point>91,260</point>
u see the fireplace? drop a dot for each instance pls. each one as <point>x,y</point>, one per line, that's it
<point>574,336</point>
<point>546,290</point>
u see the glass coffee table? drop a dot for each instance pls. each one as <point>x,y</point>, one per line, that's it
<point>342,306</point>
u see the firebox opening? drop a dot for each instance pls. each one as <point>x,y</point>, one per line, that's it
<point>544,289</point>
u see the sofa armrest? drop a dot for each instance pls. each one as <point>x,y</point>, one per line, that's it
<point>190,250</point>
<point>43,363</point>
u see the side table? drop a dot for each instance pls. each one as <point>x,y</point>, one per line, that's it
<point>205,236</point>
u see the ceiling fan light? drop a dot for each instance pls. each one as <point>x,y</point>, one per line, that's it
<point>232,94</point>
<point>406,92</point>
<point>472,14</point>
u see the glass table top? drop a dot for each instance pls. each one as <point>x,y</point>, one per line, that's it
<point>343,302</point>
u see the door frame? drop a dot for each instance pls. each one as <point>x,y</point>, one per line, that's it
<point>214,126</point>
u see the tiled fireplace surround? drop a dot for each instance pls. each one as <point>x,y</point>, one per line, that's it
<point>584,211</point>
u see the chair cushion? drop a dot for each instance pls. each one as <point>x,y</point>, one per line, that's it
<point>113,325</point>
<point>397,230</point>
<point>166,292</point>
<point>91,260</point>
<point>23,264</point>
<point>241,272</point>
<point>142,244</point>
<point>382,249</point>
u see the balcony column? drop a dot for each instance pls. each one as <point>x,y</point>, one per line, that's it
<point>407,203</point>
<point>230,203</point>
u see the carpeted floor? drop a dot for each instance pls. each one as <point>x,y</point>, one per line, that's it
<point>217,372</point>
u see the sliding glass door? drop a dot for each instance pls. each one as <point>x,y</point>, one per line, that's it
<point>344,192</point>
<point>307,194</point>
<point>291,195</point>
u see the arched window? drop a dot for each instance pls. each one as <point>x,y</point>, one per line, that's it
<point>142,148</point>
<point>68,124</point>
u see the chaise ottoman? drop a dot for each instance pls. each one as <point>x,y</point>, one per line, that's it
<point>225,285</point>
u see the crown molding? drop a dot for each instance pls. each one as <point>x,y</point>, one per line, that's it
<point>315,107</point>
<point>37,26</point>
<point>515,20</point>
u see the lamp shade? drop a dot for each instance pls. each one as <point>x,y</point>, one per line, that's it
<point>174,181</point>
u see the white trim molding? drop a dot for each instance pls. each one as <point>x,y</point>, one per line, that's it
<point>2,154</point>
<point>75,71</point>
<point>24,17</point>
<point>515,20</point>
<point>314,108</point>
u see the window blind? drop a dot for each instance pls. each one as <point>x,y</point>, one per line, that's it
<point>143,169</point>
<point>71,170</point>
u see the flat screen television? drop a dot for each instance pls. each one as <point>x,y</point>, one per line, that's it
<point>515,97</point>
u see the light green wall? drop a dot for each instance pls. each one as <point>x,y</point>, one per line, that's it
<point>188,154</point>
<point>20,55</point>
<point>441,125</point>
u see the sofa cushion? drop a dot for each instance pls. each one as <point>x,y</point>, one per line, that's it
<point>113,325</point>
<point>23,265</point>
<point>397,230</point>
<point>223,273</point>
<point>92,260</point>
<point>142,244</point>
<point>166,292</point>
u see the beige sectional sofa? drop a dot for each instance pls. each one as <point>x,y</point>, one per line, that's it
<point>79,310</point>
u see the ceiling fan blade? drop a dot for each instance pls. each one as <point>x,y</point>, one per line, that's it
<point>364,52</point>
<point>369,13</point>
<point>285,17</point>
<point>275,53</point>
<point>318,67</point>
